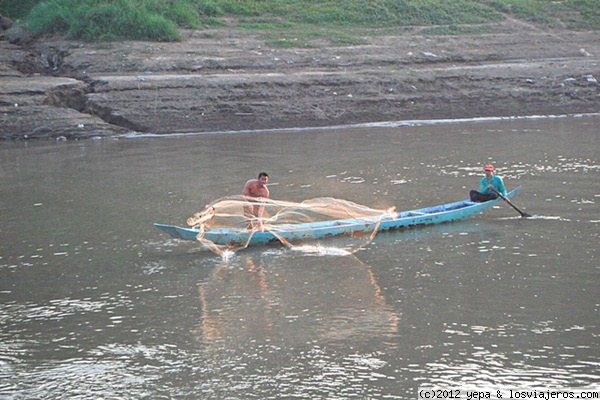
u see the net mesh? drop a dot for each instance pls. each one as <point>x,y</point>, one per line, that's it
<point>254,215</point>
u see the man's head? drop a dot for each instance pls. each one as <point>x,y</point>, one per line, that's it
<point>489,168</point>
<point>263,178</point>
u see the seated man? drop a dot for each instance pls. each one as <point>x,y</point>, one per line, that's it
<point>487,183</point>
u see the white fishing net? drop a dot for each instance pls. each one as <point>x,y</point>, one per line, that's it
<point>256,215</point>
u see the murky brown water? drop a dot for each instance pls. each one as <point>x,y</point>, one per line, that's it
<point>96,303</point>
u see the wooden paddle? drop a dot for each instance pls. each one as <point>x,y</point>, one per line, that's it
<point>523,214</point>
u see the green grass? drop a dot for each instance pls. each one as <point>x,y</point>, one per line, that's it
<point>379,13</point>
<point>284,43</point>
<point>456,30</point>
<point>160,20</point>
<point>574,14</point>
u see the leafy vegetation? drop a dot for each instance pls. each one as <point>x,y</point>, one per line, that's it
<point>161,19</point>
<point>107,20</point>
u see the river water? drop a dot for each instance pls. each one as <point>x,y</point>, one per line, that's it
<point>95,303</point>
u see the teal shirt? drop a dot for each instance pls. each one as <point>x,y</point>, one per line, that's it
<point>496,183</point>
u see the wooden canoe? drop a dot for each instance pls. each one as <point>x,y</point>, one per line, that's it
<point>239,237</point>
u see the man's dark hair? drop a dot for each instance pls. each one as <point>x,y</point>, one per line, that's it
<point>263,174</point>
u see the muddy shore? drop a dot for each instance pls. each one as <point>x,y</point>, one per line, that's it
<point>227,80</point>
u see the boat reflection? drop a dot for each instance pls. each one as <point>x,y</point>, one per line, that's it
<point>310,298</point>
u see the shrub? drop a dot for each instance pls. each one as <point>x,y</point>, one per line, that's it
<point>100,20</point>
<point>16,9</point>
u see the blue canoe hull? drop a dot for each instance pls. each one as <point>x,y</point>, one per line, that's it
<point>456,211</point>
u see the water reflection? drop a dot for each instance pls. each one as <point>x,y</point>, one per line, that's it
<point>294,325</point>
<point>253,298</point>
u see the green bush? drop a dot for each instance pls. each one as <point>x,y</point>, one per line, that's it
<point>209,9</point>
<point>182,12</point>
<point>51,17</point>
<point>17,9</point>
<point>101,20</point>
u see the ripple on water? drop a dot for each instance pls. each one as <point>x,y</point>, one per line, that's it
<point>56,309</point>
<point>314,372</point>
<point>489,360</point>
<point>166,371</point>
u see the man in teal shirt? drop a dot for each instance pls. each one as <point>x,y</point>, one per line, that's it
<point>487,183</point>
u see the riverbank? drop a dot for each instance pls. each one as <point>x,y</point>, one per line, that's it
<point>230,80</point>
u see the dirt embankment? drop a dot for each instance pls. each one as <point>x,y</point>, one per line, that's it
<point>227,80</point>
